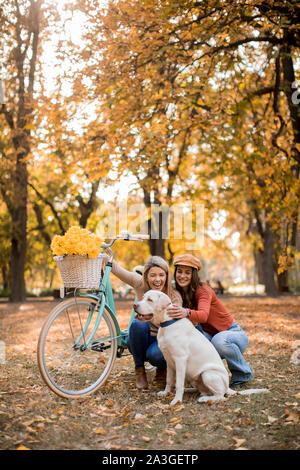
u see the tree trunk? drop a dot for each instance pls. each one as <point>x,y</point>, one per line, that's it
<point>157,247</point>
<point>283,282</point>
<point>86,208</point>
<point>288,82</point>
<point>155,221</point>
<point>259,261</point>
<point>18,237</point>
<point>17,266</point>
<point>155,229</point>
<point>5,278</point>
<point>268,262</point>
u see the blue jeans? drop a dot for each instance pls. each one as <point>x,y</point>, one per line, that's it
<point>231,344</point>
<point>143,347</point>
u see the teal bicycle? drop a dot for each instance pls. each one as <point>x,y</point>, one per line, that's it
<point>81,337</point>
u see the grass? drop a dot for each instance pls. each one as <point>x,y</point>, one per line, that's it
<point>121,417</point>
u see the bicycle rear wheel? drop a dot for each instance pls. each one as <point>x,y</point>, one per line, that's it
<point>70,366</point>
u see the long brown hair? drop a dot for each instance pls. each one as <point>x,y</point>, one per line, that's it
<point>189,297</point>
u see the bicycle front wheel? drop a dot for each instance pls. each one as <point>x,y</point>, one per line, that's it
<point>75,355</point>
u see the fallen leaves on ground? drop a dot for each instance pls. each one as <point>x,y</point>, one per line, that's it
<point>119,416</point>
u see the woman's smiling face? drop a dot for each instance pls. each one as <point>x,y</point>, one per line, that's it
<point>184,276</point>
<point>156,278</point>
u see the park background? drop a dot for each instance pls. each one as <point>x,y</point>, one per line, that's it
<point>175,102</point>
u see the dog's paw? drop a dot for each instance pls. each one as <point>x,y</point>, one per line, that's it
<point>211,398</point>
<point>162,393</point>
<point>203,399</point>
<point>175,401</point>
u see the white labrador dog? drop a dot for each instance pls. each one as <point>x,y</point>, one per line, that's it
<point>188,353</point>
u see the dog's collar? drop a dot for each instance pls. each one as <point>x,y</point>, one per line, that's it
<point>169,322</point>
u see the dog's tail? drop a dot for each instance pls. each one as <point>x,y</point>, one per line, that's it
<point>250,391</point>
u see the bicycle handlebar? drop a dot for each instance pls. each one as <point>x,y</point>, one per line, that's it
<point>124,235</point>
<point>139,236</point>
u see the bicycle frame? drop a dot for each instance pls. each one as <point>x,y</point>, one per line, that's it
<point>105,300</point>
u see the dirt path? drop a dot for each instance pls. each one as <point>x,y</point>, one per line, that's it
<point>120,417</point>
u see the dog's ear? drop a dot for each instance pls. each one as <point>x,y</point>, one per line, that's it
<point>164,301</point>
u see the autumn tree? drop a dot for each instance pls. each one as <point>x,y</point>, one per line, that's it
<point>263,129</point>
<point>22,22</point>
<point>44,140</point>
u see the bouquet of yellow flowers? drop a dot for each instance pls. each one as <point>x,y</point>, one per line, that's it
<point>76,241</point>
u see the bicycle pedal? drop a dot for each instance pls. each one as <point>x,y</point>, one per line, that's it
<point>100,347</point>
<point>120,351</point>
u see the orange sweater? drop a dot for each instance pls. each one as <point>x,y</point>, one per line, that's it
<point>211,313</point>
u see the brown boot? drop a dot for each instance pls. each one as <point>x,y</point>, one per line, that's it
<point>141,378</point>
<point>160,377</point>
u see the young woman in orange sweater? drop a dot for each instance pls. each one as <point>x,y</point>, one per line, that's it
<point>204,309</point>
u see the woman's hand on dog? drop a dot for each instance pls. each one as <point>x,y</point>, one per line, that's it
<point>175,311</point>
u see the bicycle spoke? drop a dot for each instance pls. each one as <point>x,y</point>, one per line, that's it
<point>80,323</point>
<point>67,313</point>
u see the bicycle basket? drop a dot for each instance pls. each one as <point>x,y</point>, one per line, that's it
<point>80,271</point>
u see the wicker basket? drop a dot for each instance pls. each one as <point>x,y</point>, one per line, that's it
<point>80,271</point>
